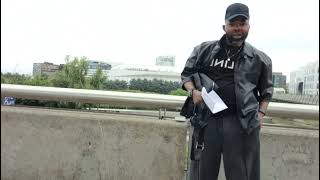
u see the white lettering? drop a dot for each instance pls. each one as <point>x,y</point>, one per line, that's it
<point>232,65</point>
<point>228,64</point>
<point>212,62</point>
<point>219,62</point>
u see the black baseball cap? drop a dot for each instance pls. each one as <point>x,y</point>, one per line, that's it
<point>237,9</point>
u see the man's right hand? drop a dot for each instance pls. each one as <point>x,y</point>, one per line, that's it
<point>196,96</point>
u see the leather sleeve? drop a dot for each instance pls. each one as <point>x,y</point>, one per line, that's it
<point>190,68</point>
<point>265,86</point>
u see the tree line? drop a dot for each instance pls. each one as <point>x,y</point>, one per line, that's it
<point>74,75</point>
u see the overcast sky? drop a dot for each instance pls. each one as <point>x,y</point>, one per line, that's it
<point>136,32</point>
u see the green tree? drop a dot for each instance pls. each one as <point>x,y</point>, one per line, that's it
<point>73,74</point>
<point>179,92</point>
<point>155,85</point>
<point>98,79</point>
<point>59,79</point>
<point>15,78</point>
<point>115,85</point>
<point>39,80</point>
<point>2,78</point>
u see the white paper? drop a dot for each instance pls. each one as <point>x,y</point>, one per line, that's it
<point>213,101</point>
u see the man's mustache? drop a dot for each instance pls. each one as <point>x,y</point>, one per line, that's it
<point>242,38</point>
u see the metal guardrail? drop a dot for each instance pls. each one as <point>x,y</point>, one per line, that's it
<point>92,96</point>
<point>285,110</point>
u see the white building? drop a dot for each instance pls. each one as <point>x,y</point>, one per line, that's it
<point>125,72</point>
<point>296,82</point>
<point>165,60</point>
<point>305,80</point>
<point>94,65</point>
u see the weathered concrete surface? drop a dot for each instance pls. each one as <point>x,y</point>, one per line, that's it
<point>288,154</point>
<point>55,144</point>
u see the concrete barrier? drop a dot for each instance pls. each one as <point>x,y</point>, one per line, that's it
<point>287,154</point>
<point>56,144</point>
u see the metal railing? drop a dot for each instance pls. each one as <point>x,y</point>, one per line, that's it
<point>284,110</point>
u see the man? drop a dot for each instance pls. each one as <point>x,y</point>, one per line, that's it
<point>244,77</point>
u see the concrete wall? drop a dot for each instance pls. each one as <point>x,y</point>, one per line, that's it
<point>54,144</point>
<point>288,154</point>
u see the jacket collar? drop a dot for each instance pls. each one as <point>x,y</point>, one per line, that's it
<point>247,48</point>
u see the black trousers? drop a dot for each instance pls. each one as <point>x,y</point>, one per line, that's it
<point>240,151</point>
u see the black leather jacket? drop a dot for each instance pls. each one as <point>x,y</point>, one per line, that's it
<point>252,76</point>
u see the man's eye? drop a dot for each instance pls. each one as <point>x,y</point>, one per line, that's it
<point>235,24</point>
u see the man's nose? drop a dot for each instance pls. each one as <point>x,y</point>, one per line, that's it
<point>237,26</point>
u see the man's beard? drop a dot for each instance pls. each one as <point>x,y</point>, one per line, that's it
<point>236,41</point>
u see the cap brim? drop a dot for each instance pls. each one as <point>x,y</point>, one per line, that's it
<point>236,15</point>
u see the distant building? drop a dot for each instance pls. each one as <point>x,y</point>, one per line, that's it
<point>279,80</point>
<point>126,72</point>
<point>94,65</point>
<point>305,80</point>
<point>165,61</point>
<point>279,91</point>
<point>46,68</point>
<point>296,82</point>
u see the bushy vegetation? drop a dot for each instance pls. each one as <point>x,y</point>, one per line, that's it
<point>73,75</point>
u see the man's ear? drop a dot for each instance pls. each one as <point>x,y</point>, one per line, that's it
<point>224,28</point>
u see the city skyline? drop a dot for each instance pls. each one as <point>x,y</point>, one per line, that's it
<point>140,31</point>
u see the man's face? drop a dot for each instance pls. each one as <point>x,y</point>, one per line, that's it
<point>237,30</point>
